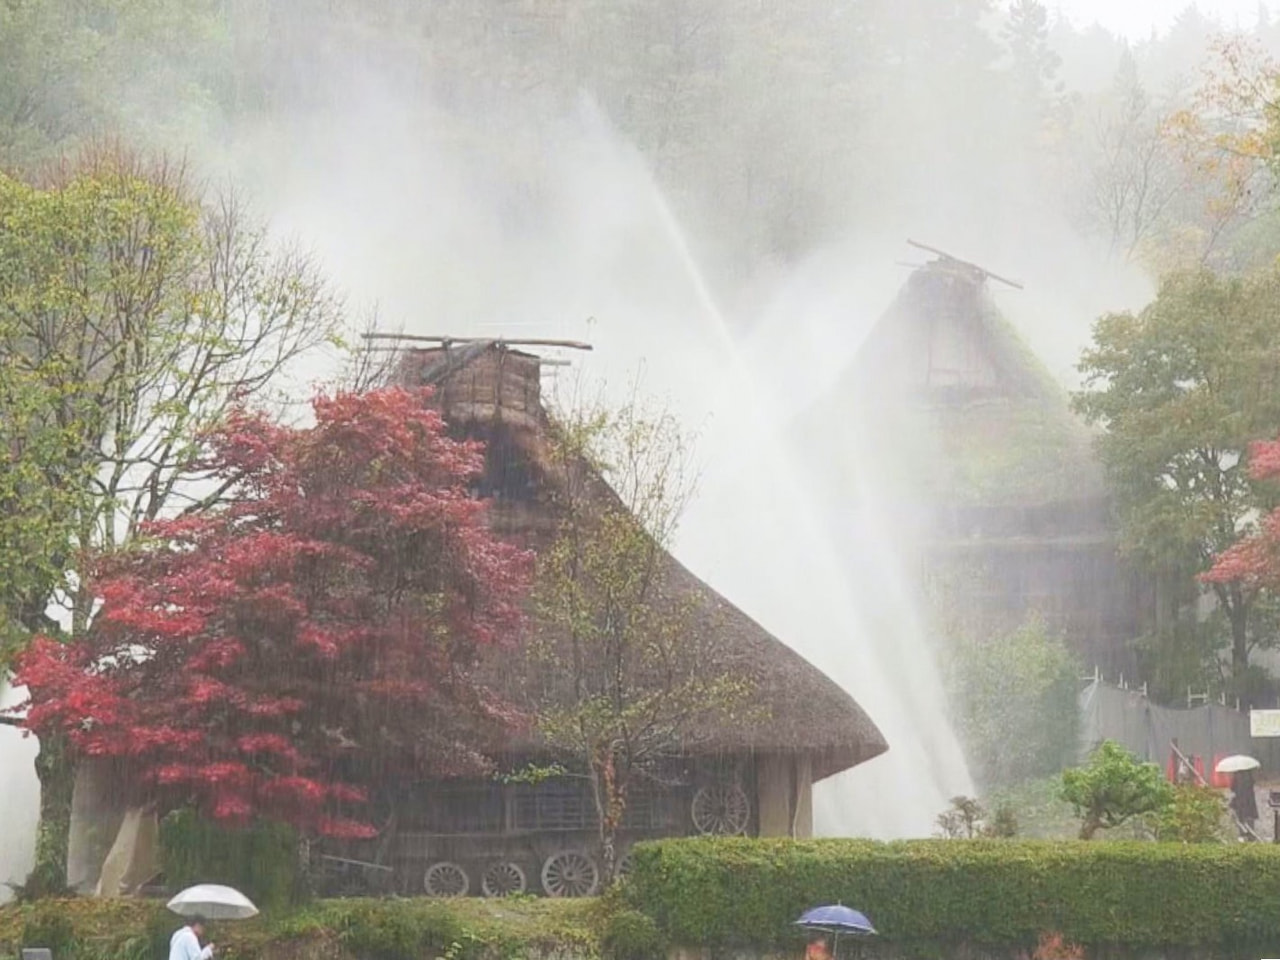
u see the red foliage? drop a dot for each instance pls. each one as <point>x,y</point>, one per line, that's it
<point>1254,562</point>
<point>1053,946</point>
<point>264,658</point>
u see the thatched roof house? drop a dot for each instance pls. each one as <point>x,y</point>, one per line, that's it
<point>809,728</point>
<point>979,449</point>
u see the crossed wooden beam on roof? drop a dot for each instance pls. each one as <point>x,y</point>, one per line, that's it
<point>965,263</point>
<point>446,340</point>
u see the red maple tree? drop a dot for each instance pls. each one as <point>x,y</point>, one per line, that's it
<point>274,656</point>
<point>1254,562</point>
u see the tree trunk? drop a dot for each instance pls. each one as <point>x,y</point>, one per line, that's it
<point>611,801</point>
<point>48,878</point>
<point>1089,827</point>
<point>1238,614</point>
<point>608,854</point>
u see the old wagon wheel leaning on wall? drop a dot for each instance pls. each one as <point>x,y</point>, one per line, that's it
<point>623,866</point>
<point>446,879</point>
<point>502,878</point>
<point>721,809</point>
<point>570,873</point>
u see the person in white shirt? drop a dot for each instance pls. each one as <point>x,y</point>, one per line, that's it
<point>185,943</point>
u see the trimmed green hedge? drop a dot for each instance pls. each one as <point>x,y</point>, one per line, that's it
<point>394,929</point>
<point>997,893</point>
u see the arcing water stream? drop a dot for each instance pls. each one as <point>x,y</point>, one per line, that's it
<point>832,586</point>
<point>19,798</point>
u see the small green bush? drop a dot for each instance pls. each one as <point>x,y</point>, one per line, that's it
<point>373,933</point>
<point>630,935</point>
<point>394,930</point>
<point>932,894</point>
<point>148,942</point>
<point>1196,815</point>
<point>1113,788</point>
<point>45,927</point>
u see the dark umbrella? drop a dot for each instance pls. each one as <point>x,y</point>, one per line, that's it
<point>836,918</point>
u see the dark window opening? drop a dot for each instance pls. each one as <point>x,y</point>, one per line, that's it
<point>507,473</point>
<point>471,808</point>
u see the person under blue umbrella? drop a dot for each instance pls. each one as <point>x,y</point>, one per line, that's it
<point>826,924</point>
<point>819,947</point>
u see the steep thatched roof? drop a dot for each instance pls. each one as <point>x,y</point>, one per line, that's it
<point>957,403</point>
<point>493,392</point>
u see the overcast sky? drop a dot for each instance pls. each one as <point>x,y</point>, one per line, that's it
<point>1135,18</point>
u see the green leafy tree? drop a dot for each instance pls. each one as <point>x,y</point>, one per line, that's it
<point>1113,788</point>
<point>134,313</point>
<point>1014,696</point>
<point>1181,388</point>
<point>1180,654</point>
<point>632,670</point>
<point>72,70</point>
<point>43,477</point>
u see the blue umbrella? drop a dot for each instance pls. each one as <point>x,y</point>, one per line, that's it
<point>836,918</point>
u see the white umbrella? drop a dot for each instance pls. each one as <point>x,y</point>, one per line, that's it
<point>1236,764</point>
<point>213,902</point>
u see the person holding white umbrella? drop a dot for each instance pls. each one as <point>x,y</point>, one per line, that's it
<point>185,942</point>
<point>196,903</point>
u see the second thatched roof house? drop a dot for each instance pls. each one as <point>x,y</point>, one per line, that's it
<point>990,474</point>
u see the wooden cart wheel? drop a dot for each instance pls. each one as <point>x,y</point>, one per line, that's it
<point>721,810</point>
<point>570,873</point>
<point>446,879</point>
<point>502,879</point>
<point>623,866</point>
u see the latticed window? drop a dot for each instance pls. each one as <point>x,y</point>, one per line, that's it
<point>647,809</point>
<point>554,805</point>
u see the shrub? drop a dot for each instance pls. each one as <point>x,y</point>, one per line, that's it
<point>962,820</point>
<point>930,894</point>
<point>967,819</point>
<point>395,930</point>
<point>1114,787</point>
<point>630,935</point>
<point>261,860</point>
<point>1196,815</point>
<point>150,941</point>
<point>45,927</point>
